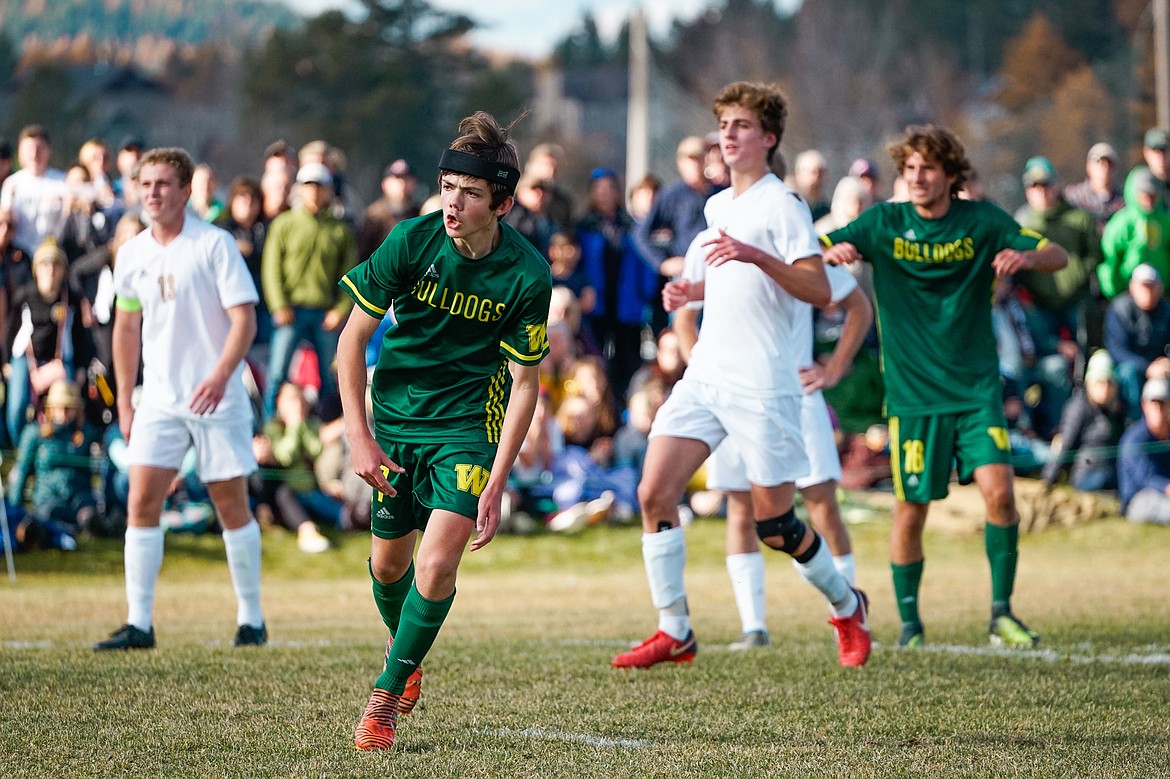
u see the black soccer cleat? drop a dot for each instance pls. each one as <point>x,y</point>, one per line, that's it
<point>127,637</point>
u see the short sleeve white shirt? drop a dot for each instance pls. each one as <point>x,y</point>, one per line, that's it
<point>36,202</point>
<point>754,335</point>
<point>185,289</point>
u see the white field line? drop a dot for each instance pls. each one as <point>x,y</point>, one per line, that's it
<point>544,734</point>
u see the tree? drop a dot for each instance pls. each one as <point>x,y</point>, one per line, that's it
<point>1035,63</point>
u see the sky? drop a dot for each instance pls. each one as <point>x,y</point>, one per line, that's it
<point>531,28</point>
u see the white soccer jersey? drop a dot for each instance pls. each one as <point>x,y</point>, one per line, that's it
<point>185,289</point>
<point>754,334</point>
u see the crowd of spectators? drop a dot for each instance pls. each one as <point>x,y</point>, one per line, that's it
<point>1083,352</point>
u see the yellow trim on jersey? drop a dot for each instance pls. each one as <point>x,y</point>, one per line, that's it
<point>494,407</point>
<point>896,459</point>
<point>824,240</point>
<point>129,305</point>
<point>360,299</point>
<point>527,359</point>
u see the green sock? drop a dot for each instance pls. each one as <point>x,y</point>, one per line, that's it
<point>417,629</point>
<point>390,597</point>
<point>907,579</point>
<point>1002,544</point>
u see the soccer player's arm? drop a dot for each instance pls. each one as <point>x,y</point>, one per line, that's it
<point>690,290</point>
<point>127,345</point>
<point>237,295</point>
<point>858,318</point>
<point>1028,250</point>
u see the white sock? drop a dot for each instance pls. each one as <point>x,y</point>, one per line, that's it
<point>820,573</point>
<point>143,555</point>
<point>665,555</point>
<point>747,583</point>
<point>243,555</point>
<point>847,567</point>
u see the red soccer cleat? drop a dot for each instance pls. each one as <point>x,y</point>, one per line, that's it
<point>659,648</point>
<point>853,639</point>
<point>379,723</point>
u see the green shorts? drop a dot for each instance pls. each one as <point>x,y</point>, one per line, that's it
<point>448,477</point>
<point>923,450</point>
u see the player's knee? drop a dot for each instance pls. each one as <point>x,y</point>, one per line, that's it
<point>655,502</point>
<point>783,533</point>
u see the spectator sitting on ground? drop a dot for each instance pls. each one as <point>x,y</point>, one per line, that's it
<point>55,454</point>
<point>1137,332</point>
<point>1143,462</point>
<point>1090,429</point>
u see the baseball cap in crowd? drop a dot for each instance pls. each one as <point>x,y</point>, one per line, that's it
<point>314,173</point>
<point>49,251</point>
<point>1145,181</point>
<point>603,173</point>
<point>1100,367</point>
<point>692,146</point>
<point>399,169</point>
<point>1145,274</point>
<point>1156,389</point>
<point>863,168</point>
<point>131,142</point>
<point>1102,151</point>
<point>1038,170</point>
<point>1156,138</point>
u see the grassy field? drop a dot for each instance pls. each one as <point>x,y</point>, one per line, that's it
<point>519,683</point>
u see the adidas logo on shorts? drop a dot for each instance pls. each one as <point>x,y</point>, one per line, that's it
<point>384,513</point>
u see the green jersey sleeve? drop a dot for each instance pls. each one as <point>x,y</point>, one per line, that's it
<point>375,283</point>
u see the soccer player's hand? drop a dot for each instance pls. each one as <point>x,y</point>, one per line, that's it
<point>841,254</point>
<point>726,249</point>
<point>675,295</point>
<point>333,320</point>
<point>207,395</point>
<point>487,520</point>
<point>818,377</point>
<point>1008,261</point>
<point>373,465</point>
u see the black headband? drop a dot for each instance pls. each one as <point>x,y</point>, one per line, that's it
<point>469,164</point>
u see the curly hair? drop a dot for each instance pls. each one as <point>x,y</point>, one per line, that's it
<point>178,159</point>
<point>480,134</point>
<point>935,144</point>
<point>766,101</point>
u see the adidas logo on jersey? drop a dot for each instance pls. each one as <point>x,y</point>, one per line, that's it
<point>432,272</point>
<point>384,513</point>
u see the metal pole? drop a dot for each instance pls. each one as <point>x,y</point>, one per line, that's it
<point>638,110</point>
<point>1162,62</point>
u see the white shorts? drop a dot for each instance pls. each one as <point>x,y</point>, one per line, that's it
<point>765,430</point>
<point>223,448</point>
<point>725,468</point>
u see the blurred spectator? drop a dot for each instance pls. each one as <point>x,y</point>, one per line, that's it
<point>243,219</point>
<point>93,275</point>
<point>1138,233</point>
<point>866,171</point>
<point>850,197</point>
<point>1154,145</point>
<point>82,227</point>
<point>529,214</point>
<point>865,463</point>
<point>627,287</point>
<point>129,152</point>
<point>1060,300</point>
<point>666,368</point>
<point>565,260</point>
<point>94,155</point>
<point>1143,462</point>
<point>632,438</point>
<point>810,179</point>
<point>55,454</point>
<point>34,194</point>
<point>287,450</point>
<point>398,202</point>
<point>543,164</point>
<point>276,182</point>
<point>677,214</point>
<point>205,202</point>
<point>1137,332</point>
<point>305,251</point>
<point>47,340</point>
<point>1098,193</point>
<point>642,196</point>
<point>15,270</point>
<point>1090,430</point>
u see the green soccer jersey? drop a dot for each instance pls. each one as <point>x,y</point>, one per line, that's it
<point>933,282</point>
<point>442,374</point>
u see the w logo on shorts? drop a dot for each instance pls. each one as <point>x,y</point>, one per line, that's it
<point>471,478</point>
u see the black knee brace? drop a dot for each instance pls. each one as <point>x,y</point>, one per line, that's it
<point>787,526</point>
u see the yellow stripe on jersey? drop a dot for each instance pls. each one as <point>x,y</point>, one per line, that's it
<point>360,299</point>
<point>129,305</point>
<point>525,359</point>
<point>494,408</point>
<point>896,458</point>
